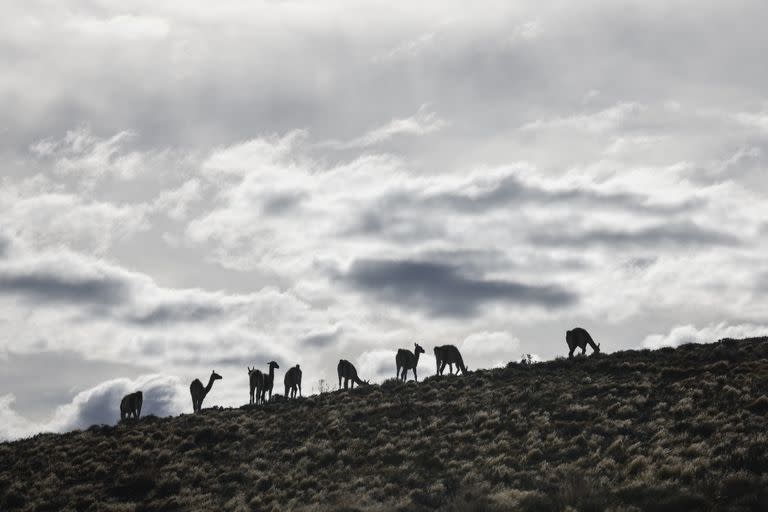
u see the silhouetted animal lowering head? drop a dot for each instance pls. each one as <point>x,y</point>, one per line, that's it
<point>347,372</point>
<point>449,355</point>
<point>580,338</point>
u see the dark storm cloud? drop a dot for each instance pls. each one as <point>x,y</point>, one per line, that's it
<point>48,287</point>
<point>675,234</point>
<point>443,289</point>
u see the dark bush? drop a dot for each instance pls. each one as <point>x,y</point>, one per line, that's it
<point>759,405</point>
<point>133,487</point>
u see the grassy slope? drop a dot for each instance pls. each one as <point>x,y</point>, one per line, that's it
<point>668,430</point>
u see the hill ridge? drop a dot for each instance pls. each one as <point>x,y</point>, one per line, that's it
<point>667,429</point>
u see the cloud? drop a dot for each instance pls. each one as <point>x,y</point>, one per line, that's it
<point>490,349</point>
<point>321,340</point>
<point>598,122</point>
<point>753,120</point>
<point>125,26</point>
<point>423,122</point>
<point>444,290</point>
<point>92,299</point>
<point>163,396</point>
<point>504,188</point>
<point>89,156</point>
<point>42,280</point>
<point>708,334</point>
<point>176,202</point>
<point>5,244</point>
<point>670,234</point>
<point>375,365</point>
<point>51,218</point>
<point>176,311</point>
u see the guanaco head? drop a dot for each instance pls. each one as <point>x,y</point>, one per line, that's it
<point>273,364</point>
<point>418,350</point>
<point>214,375</point>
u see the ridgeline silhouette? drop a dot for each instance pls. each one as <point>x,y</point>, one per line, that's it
<point>262,383</point>
<point>654,431</point>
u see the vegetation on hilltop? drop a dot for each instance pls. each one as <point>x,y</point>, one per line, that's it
<point>665,430</point>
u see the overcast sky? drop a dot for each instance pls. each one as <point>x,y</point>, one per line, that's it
<point>205,186</point>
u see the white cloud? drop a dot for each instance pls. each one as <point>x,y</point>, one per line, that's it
<point>89,156</point>
<point>411,47</point>
<point>757,120</point>
<point>708,334</point>
<point>176,202</point>
<point>46,219</point>
<point>490,349</point>
<point>163,396</point>
<point>423,122</point>
<point>525,31</point>
<point>601,121</point>
<point>124,26</point>
<point>259,156</point>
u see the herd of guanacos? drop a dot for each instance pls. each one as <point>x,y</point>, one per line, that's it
<point>261,383</point>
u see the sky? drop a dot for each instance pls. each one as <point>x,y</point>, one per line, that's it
<point>196,186</point>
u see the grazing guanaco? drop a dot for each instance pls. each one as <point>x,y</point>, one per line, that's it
<point>347,371</point>
<point>449,355</point>
<point>580,338</point>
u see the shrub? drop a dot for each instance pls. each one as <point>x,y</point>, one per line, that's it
<point>759,405</point>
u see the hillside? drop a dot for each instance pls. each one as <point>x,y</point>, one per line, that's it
<point>666,430</point>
